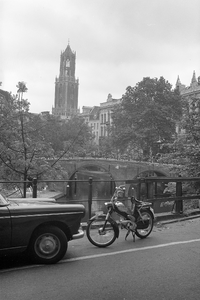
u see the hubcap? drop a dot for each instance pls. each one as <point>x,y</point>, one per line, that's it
<point>47,246</point>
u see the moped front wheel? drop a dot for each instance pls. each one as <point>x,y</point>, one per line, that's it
<point>100,232</point>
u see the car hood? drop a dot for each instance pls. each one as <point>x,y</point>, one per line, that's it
<point>42,204</point>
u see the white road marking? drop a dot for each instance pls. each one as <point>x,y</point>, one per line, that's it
<point>128,251</point>
<point>104,255</point>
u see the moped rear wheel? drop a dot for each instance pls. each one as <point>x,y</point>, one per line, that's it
<point>144,232</point>
<point>98,235</point>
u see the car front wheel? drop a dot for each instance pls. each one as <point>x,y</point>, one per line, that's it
<point>48,245</point>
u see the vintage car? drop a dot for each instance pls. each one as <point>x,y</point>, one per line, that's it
<point>41,227</point>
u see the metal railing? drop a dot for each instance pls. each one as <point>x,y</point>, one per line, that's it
<point>178,197</point>
<point>149,182</point>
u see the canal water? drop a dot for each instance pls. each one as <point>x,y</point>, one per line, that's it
<point>102,188</point>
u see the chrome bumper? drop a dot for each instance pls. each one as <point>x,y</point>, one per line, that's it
<point>78,235</point>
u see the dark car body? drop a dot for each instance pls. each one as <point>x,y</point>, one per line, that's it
<point>22,221</point>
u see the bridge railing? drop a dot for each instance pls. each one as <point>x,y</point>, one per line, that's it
<point>149,193</point>
<point>176,198</point>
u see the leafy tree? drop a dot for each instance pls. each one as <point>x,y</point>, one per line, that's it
<point>21,90</point>
<point>51,131</point>
<point>106,147</point>
<point>184,152</point>
<point>23,147</point>
<point>148,113</point>
<point>30,142</point>
<point>68,136</point>
<point>188,143</point>
<point>76,135</point>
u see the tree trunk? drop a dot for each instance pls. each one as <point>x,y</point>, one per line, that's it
<point>24,189</point>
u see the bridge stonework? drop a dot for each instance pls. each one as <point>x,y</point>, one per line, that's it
<point>118,169</point>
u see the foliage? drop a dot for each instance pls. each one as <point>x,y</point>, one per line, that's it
<point>67,136</point>
<point>148,113</point>
<point>76,135</point>
<point>184,152</point>
<point>191,138</point>
<point>33,144</point>
<point>23,147</point>
<point>106,148</point>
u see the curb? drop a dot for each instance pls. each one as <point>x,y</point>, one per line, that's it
<point>173,218</point>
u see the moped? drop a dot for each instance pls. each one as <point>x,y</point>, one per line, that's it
<point>102,229</point>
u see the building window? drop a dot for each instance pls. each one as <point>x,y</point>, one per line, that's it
<point>108,116</point>
<point>101,130</point>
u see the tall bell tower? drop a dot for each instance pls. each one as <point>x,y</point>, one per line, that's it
<point>66,86</point>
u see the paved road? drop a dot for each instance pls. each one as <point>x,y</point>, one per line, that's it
<point>164,266</point>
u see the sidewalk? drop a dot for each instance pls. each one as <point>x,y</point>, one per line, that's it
<point>167,218</point>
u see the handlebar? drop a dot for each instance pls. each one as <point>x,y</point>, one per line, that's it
<point>121,189</point>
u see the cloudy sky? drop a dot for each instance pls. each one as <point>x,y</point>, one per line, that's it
<point>117,43</point>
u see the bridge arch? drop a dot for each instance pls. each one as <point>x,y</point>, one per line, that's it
<point>117,169</point>
<point>154,172</point>
<point>95,166</point>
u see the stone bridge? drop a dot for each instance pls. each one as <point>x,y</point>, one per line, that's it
<point>117,169</point>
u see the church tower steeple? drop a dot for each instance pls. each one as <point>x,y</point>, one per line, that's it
<point>178,82</point>
<point>66,86</point>
<point>194,80</point>
<point>179,85</point>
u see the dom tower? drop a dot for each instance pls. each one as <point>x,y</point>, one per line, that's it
<point>66,86</point>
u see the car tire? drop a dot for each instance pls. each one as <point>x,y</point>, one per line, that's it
<point>48,245</point>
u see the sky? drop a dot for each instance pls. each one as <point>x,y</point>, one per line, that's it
<point>117,44</point>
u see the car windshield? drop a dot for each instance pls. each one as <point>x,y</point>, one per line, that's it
<point>3,201</point>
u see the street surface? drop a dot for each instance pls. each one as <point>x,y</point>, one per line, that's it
<point>166,265</point>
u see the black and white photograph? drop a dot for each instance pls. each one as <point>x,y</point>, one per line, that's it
<point>99,149</point>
